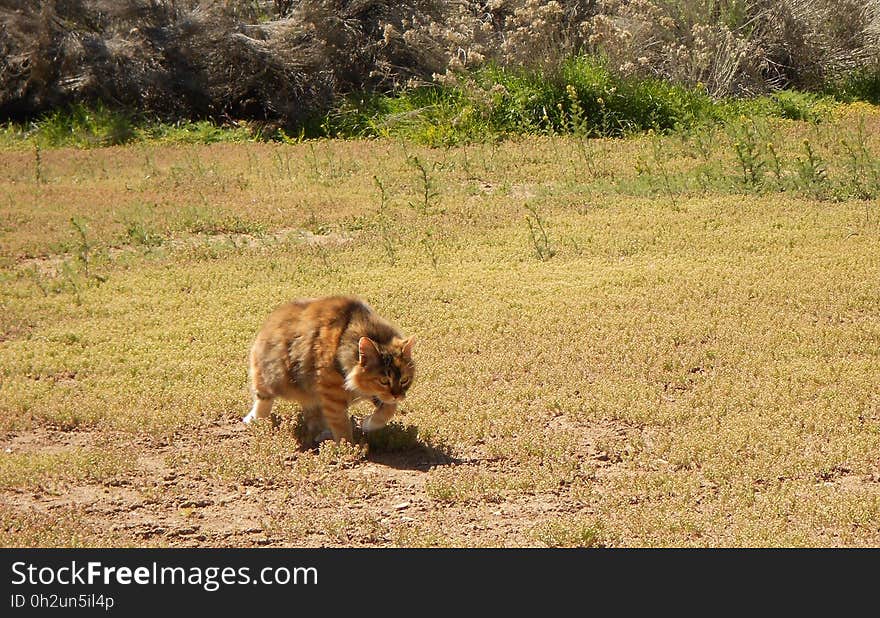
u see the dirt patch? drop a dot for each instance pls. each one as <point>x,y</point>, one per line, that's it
<point>52,265</point>
<point>382,500</point>
<point>46,440</point>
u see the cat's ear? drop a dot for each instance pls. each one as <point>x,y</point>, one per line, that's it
<point>367,351</point>
<point>407,347</point>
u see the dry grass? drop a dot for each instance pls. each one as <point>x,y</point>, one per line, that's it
<point>693,366</point>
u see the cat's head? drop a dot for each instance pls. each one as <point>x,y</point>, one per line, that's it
<point>383,371</point>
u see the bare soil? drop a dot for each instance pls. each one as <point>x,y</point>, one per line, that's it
<point>157,504</point>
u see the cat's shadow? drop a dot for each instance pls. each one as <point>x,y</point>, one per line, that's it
<point>397,446</point>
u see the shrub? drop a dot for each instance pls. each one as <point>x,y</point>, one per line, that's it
<point>581,96</point>
<point>80,125</point>
<point>860,85</point>
<point>291,63</point>
<point>198,60</point>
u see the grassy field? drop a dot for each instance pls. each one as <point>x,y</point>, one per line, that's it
<point>651,341</point>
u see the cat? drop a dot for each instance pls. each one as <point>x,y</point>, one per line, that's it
<point>327,353</point>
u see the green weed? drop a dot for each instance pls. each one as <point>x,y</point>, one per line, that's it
<point>812,173</point>
<point>572,532</point>
<point>538,234</point>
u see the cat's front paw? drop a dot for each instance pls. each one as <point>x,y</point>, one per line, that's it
<point>250,418</point>
<point>371,424</point>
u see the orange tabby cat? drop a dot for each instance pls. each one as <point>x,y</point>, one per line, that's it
<point>327,353</point>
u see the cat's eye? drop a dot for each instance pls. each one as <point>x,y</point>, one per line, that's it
<point>384,381</point>
<point>404,382</point>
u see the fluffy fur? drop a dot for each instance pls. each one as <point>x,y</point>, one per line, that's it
<point>327,353</point>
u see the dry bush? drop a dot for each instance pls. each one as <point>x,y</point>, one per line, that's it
<point>286,60</point>
<point>78,50</point>
<point>729,47</point>
<point>216,59</point>
<point>735,47</point>
<point>816,40</point>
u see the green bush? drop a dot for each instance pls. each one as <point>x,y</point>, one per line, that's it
<point>79,125</point>
<point>200,132</point>
<point>582,97</point>
<point>795,105</point>
<point>860,85</point>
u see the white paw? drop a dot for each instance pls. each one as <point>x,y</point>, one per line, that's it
<point>249,418</point>
<point>369,424</point>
